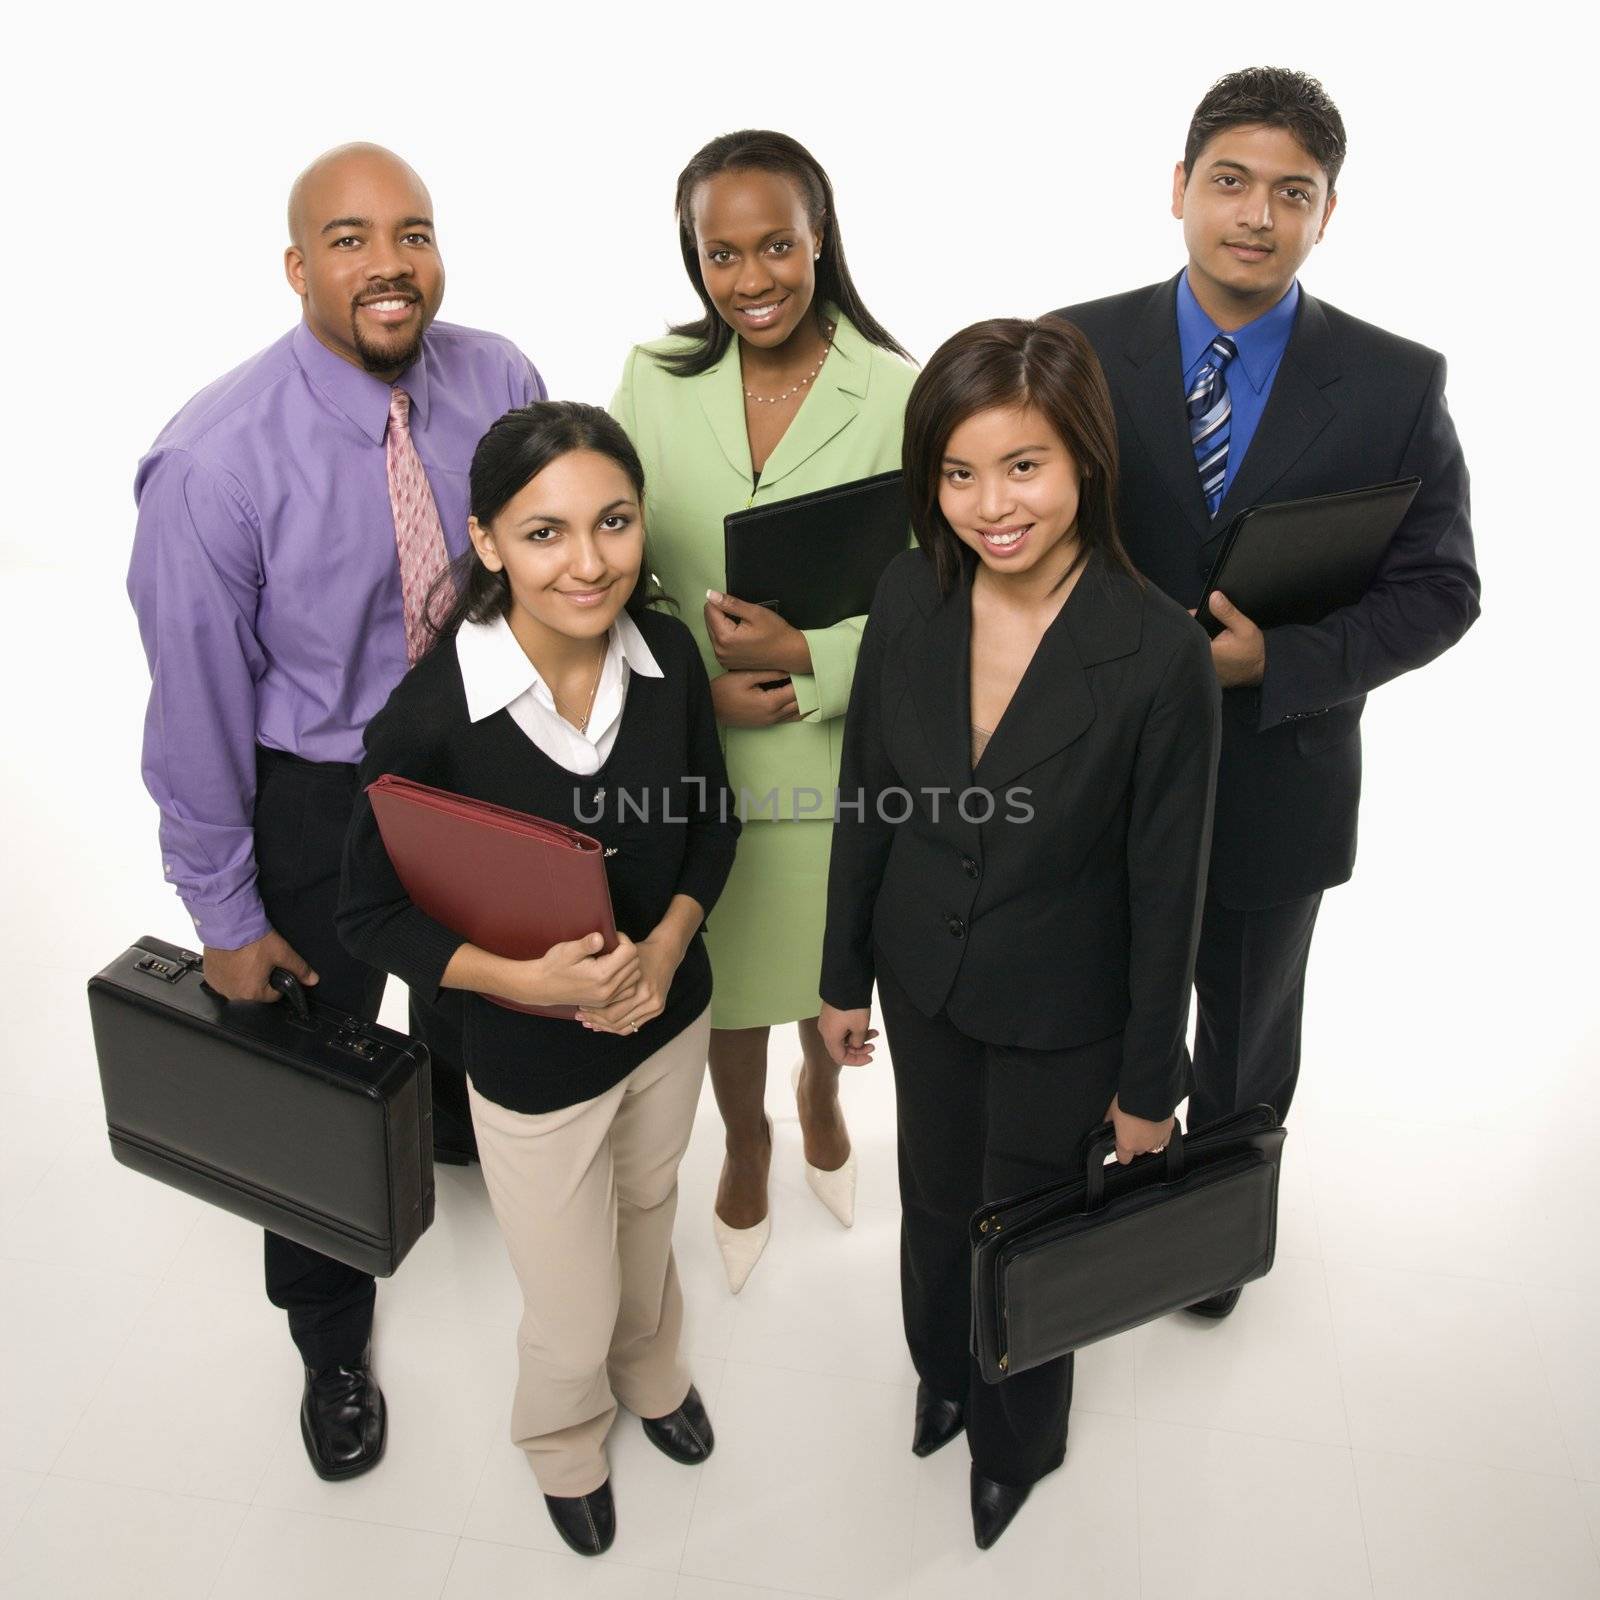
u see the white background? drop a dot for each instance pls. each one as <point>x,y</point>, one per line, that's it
<point>987,159</point>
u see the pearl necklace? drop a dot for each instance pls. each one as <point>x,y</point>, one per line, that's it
<point>793,389</point>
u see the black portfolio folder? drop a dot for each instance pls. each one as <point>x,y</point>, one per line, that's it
<point>295,1116</point>
<point>816,559</point>
<point>1299,560</point>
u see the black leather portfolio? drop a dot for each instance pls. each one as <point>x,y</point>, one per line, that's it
<point>816,559</point>
<point>1067,1265</point>
<point>1299,560</point>
<point>301,1118</point>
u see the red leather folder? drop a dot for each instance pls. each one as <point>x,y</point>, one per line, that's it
<point>510,883</point>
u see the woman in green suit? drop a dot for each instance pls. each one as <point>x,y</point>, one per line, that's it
<point>785,385</point>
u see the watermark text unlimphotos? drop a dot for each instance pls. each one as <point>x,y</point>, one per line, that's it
<point>690,802</point>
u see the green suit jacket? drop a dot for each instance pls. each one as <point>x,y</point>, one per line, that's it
<point>690,434</point>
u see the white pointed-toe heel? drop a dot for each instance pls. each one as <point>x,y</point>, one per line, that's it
<point>741,1247</point>
<point>836,1189</point>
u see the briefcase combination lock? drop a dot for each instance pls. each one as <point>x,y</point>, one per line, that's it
<point>168,971</point>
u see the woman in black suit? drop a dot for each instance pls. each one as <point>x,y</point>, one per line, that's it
<point>1019,858</point>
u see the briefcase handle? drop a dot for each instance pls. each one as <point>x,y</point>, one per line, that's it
<point>289,986</point>
<point>292,990</point>
<point>1103,1142</point>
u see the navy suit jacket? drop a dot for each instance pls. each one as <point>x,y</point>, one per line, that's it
<point>1352,405</point>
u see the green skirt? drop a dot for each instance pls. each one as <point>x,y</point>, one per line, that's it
<point>765,933</point>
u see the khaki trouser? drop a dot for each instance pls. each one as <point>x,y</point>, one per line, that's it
<point>585,1198</point>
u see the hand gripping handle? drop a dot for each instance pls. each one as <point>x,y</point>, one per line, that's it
<point>292,990</point>
<point>1102,1143</point>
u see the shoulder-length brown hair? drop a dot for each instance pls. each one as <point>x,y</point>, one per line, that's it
<point>1002,363</point>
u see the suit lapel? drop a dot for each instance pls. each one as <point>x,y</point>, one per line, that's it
<point>941,686</point>
<point>1051,707</point>
<point>834,400</point>
<point>721,395</point>
<point>1154,391</point>
<point>1053,704</point>
<point>1296,412</point>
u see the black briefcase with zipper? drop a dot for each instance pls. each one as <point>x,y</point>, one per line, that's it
<point>1076,1262</point>
<point>295,1116</point>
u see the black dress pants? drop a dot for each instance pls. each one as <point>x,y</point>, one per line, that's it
<point>1250,988</point>
<point>302,812</point>
<point>979,1123</point>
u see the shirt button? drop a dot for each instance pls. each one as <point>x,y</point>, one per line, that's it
<point>969,866</point>
<point>956,926</point>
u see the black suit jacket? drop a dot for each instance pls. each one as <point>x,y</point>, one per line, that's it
<point>1351,405</point>
<point>1074,912</point>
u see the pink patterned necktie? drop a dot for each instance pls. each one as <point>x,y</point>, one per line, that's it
<point>418,533</point>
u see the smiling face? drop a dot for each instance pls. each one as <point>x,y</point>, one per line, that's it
<point>757,253</point>
<point>1008,487</point>
<point>1252,208</point>
<point>364,260</point>
<point>571,543</point>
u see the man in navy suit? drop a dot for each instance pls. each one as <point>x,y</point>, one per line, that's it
<point>1233,388</point>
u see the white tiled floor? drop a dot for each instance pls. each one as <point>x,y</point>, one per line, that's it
<point>1408,1407</point>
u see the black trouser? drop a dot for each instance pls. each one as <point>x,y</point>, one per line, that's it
<point>1250,987</point>
<point>979,1123</point>
<point>302,814</point>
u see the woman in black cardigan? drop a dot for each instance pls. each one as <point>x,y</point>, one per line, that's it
<point>1019,861</point>
<point>555,689</point>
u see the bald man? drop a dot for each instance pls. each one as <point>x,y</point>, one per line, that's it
<point>293,518</point>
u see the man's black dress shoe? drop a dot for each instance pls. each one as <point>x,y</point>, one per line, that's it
<point>993,1507</point>
<point>684,1434</point>
<point>937,1422</point>
<point>445,1155</point>
<point>342,1419</point>
<point>1219,1305</point>
<point>588,1522</point>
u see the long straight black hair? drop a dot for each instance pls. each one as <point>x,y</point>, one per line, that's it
<point>761,150</point>
<point>514,451</point>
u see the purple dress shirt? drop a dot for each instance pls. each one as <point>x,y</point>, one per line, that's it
<point>267,586</point>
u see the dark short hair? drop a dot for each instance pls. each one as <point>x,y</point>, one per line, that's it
<point>514,451</point>
<point>1048,364</point>
<point>1275,97</point>
<point>762,150</point>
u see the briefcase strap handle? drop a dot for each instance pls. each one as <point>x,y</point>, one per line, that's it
<point>1103,1142</point>
<point>292,990</point>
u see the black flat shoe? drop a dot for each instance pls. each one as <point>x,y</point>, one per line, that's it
<point>1219,1305</point>
<point>993,1507</point>
<point>445,1155</point>
<point>937,1422</point>
<point>588,1522</point>
<point>342,1419</point>
<point>684,1434</point>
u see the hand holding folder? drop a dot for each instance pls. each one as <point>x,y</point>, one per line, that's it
<point>510,883</point>
<point>1298,560</point>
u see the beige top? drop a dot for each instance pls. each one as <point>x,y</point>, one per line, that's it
<point>980,741</point>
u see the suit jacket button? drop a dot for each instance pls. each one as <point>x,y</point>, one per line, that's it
<point>956,926</point>
<point>969,866</point>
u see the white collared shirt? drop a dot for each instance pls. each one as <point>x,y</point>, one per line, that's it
<point>498,676</point>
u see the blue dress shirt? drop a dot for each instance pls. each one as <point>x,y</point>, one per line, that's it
<point>1260,344</point>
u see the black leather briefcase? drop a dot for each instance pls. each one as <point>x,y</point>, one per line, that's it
<point>1066,1265</point>
<point>301,1118</point>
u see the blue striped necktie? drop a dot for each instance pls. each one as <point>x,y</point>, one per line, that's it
<point>1209,414</point>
